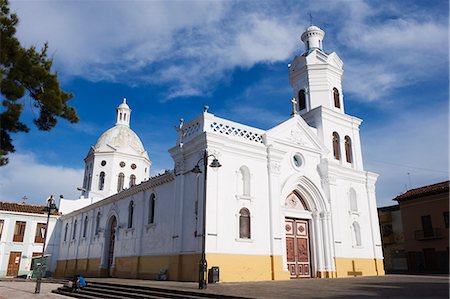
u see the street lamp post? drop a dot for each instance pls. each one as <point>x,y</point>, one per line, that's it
<point>51,206</point>
<point>203,265</point>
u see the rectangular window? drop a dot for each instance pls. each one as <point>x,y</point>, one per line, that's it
<point>427,226</point>
<point>40,233</point>
<point>1,227</point>
<point>445,221</point>
<point>19,231</point>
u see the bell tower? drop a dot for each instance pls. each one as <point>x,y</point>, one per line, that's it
<point>316,80</point>
<point>315,75</point>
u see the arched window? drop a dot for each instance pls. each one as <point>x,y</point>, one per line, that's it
<point>132,180</point>
<point>336,149</point>
<point>357,233</point>
<point>120,181</point>
<point>348,149</point>
<point>151,209</point>
<point>124,116</point>
<point>130,214</point>
<point>74,230</point>
<point>353,201</point>
<point>337,102</point>
<point>244,181</point>
<point>244,224</point>
<point>101,181</point>
<point>85,226</point>
<point>301,100</point>
<point>97,224</point>
<point>89,182</point>
<point>66,229</point>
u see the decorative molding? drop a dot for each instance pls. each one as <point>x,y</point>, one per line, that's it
<point>274,167</point>
<point>297,137</point>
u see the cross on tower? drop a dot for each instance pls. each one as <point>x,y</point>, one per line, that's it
<point>310,18</point>
<point>294,106</point>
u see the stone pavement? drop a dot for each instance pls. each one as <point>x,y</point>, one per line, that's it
<point>25,290</point>
<point>389,286</point>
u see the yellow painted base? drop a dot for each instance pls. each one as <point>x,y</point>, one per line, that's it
<point>232,267</point>
<point>348,267</point>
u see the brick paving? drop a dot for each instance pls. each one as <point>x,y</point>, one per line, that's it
<point>389,286</point>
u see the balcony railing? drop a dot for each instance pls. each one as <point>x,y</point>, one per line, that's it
<point>435,233</point>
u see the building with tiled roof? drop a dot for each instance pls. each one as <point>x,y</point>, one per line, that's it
<point>23,208</point>
<point>22,229</point>
<point>439,188</point>
<point>424,212</point>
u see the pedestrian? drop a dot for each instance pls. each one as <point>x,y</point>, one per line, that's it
<point>79,282</point>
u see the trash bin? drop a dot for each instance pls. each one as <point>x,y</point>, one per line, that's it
<point>213,275</point>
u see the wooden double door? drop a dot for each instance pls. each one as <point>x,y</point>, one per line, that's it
<point>297,248</point>
<point>14,263</point>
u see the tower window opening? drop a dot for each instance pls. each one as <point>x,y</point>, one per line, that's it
<point>89,182</point>
<point>337,102</point>
<point>301,100</point>
<point>336,151</point>
<point>348,149</point>
<point>132,180</point>
<point>125,116</point>
<point>120,115</point>
<point>120,181</point>
<point>101,181</point>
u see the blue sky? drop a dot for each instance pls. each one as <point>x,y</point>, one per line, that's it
<point>171,58</point>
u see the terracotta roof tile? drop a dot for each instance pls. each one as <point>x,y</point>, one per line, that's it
<point>23,208</point>
<point>438,188</point>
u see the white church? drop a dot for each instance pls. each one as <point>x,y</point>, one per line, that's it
<point>293,201</point>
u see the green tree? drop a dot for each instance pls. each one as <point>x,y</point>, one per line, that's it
<point>26,72</point>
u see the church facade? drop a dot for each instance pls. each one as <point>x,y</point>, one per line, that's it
<point>293,201</point>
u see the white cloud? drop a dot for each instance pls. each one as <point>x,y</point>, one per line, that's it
<point>384,56</point>
<point>414,142</point>
<point>25,176</point>
<point>193,45</point>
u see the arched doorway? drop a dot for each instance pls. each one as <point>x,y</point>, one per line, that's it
<point>298,251</point>
<point>111,241</point>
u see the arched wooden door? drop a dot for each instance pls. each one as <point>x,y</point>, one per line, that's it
<point>112,240</point>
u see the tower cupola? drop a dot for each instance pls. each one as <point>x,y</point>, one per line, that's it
<point>313,38</point>
<point>123,114</point>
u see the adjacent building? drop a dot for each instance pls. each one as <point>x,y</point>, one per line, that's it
<point>424,213</point>
<point>22,230</point>
<point>393,240</point>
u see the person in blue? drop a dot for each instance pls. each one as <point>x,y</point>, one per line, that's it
<point>79,282</point>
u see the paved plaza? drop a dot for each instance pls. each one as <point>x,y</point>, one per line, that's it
<point>389,286</point>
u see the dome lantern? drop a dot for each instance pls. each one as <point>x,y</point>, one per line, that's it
<point>123,114</point>
<point>313,37</point>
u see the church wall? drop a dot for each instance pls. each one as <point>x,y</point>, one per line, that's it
<point>226,198</point>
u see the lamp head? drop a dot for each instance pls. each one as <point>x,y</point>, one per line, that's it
<point>196,169</point>
<point>215,163</point>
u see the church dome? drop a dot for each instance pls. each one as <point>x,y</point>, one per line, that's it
<point>120,137</point>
